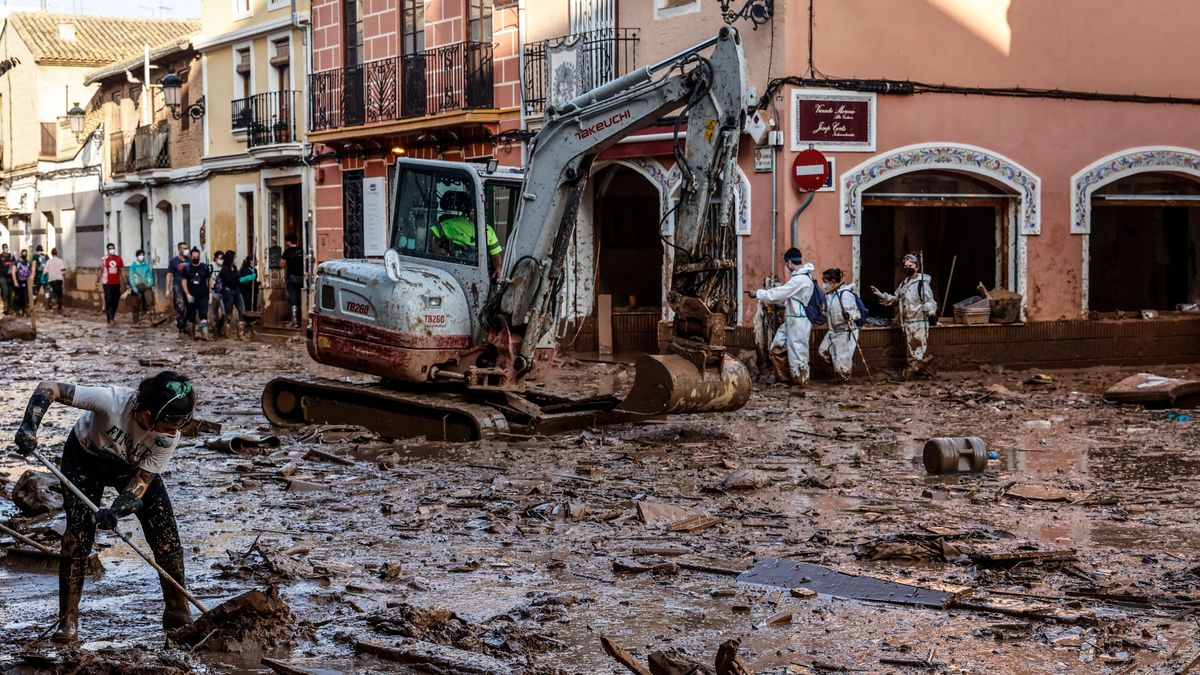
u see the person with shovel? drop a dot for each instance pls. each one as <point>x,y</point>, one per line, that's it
<point>124,440</point>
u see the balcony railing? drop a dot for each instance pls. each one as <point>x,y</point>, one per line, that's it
<point>600,56</point>
<point>454,77</point>
<point>268,118</point>
<point>150,147</point>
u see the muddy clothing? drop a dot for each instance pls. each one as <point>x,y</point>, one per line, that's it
<point>916,304</point>
<point>108,429</point>
<point>841,342</point>
<point>91,473</point>
<point>141,282</point>
<point>56,271</point>
<point>7,260</point>
<point>793,335</point>
<point>231,294</point>
<point>197,277</point>
<point>175,270</point>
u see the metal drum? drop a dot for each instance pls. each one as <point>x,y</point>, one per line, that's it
<point>962,454</point>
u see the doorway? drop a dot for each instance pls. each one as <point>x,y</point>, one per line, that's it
<point>629,256</point>
<point>352,215</point>
<point>958,222</point>
<point>1144,245</point>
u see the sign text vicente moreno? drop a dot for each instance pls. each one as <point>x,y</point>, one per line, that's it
<point>833,120</point>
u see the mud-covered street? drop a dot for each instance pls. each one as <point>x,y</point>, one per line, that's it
<point>1074,551</point>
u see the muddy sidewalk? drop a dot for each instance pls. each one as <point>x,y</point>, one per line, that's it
<point>1074,551</point>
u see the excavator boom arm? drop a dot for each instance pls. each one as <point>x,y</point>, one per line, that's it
<point>711,91</point>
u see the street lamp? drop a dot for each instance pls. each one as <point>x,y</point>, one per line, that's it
<point>75,116</point>
<point>171,85</point>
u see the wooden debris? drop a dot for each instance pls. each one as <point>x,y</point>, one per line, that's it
<point>428,655</point>
<point>694,523</point>
<point>623,657</point>
<point>652,513</point>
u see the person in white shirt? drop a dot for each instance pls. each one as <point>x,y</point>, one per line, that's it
<point>56,271</point>
<point>794,333</point>
<point>125,440</point>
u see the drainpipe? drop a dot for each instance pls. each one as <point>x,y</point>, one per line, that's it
<point>774,212</point>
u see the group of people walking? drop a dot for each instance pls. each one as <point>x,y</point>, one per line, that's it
<point>835,303</point>
<point>196,290</point>
<point>25,280</point>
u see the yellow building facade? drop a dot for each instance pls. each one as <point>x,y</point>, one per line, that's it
<point>253,55</point>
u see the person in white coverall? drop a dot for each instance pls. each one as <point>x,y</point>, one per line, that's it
<point>917,304</point>
<point>841,341</point>
<point>793,335</point>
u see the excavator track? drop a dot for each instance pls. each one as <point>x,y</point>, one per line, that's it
<point>455,416</point>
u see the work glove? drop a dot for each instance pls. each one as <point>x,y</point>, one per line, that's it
<point>751,294</point>
<point>26,441</point>
<point>123,505</point>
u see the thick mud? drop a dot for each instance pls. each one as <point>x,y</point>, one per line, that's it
<point>1074,552</point>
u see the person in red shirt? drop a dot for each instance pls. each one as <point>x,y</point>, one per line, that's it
<point>110,275</point>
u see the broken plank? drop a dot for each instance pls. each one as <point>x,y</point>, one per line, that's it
<point>327,456</point>
<point>695,523</point>
<point>623,657</point>
<point>449,659</point>
<point>292,668</point>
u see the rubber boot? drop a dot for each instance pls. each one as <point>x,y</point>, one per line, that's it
<point>204,331</point>
<point>295,316</point>
<point>68,616</point>
<point>177,613</point>
<point>779,364</point>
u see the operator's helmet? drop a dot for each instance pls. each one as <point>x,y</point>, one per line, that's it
<point>457,201</point>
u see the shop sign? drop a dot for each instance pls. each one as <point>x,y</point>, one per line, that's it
<point>824,119</point>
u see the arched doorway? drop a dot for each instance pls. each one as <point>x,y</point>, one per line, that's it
<point>959,221</point>
<point>165,236</point>
<point>1144,243</point>
<point>629,256</point>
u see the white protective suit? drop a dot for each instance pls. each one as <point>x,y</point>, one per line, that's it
<point>915,297</point>
<point>840,343</point>
<point>795,331</point>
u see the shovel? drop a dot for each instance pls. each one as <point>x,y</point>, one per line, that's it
<point>251,605</point>
<point>124,537</point>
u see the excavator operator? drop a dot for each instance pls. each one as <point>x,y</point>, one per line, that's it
<point>457,230</point>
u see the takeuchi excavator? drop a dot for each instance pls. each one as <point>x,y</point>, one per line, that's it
<point>454,333</point>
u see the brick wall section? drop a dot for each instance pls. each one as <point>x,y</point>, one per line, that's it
<point>507,58</point>
<point>328,211</point>
<point>326,35</point>
<point>381,29</point>
<point>444,23</point>
<point>187,147</point>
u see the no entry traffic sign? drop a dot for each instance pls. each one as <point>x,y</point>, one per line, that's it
<point>810,170</point>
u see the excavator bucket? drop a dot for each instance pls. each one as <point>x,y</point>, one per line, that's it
<point>672,384</point>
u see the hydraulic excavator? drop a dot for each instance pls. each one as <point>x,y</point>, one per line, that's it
<point>455,334</point>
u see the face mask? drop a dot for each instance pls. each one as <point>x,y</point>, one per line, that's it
<point>909,271</point>
<point>112,251</point>
<point>195,260</point>
<point>141,257</point>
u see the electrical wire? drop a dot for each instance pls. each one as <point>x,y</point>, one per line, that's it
<point>911,87</point>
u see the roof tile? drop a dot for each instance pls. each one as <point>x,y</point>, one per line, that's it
<point>98,40</point>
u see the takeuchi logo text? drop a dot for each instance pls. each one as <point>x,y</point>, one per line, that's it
<point>602,125</point>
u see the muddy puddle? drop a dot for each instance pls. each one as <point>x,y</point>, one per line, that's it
<point>524,553</point>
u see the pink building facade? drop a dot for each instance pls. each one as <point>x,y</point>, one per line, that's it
<point>418,78</point>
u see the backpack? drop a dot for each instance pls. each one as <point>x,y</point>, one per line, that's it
<point>815,308</point>
<point>862,310</point>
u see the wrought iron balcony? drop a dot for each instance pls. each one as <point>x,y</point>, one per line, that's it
<point>268,118</point>
<point>453,77</point>
<point>588,60</point>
